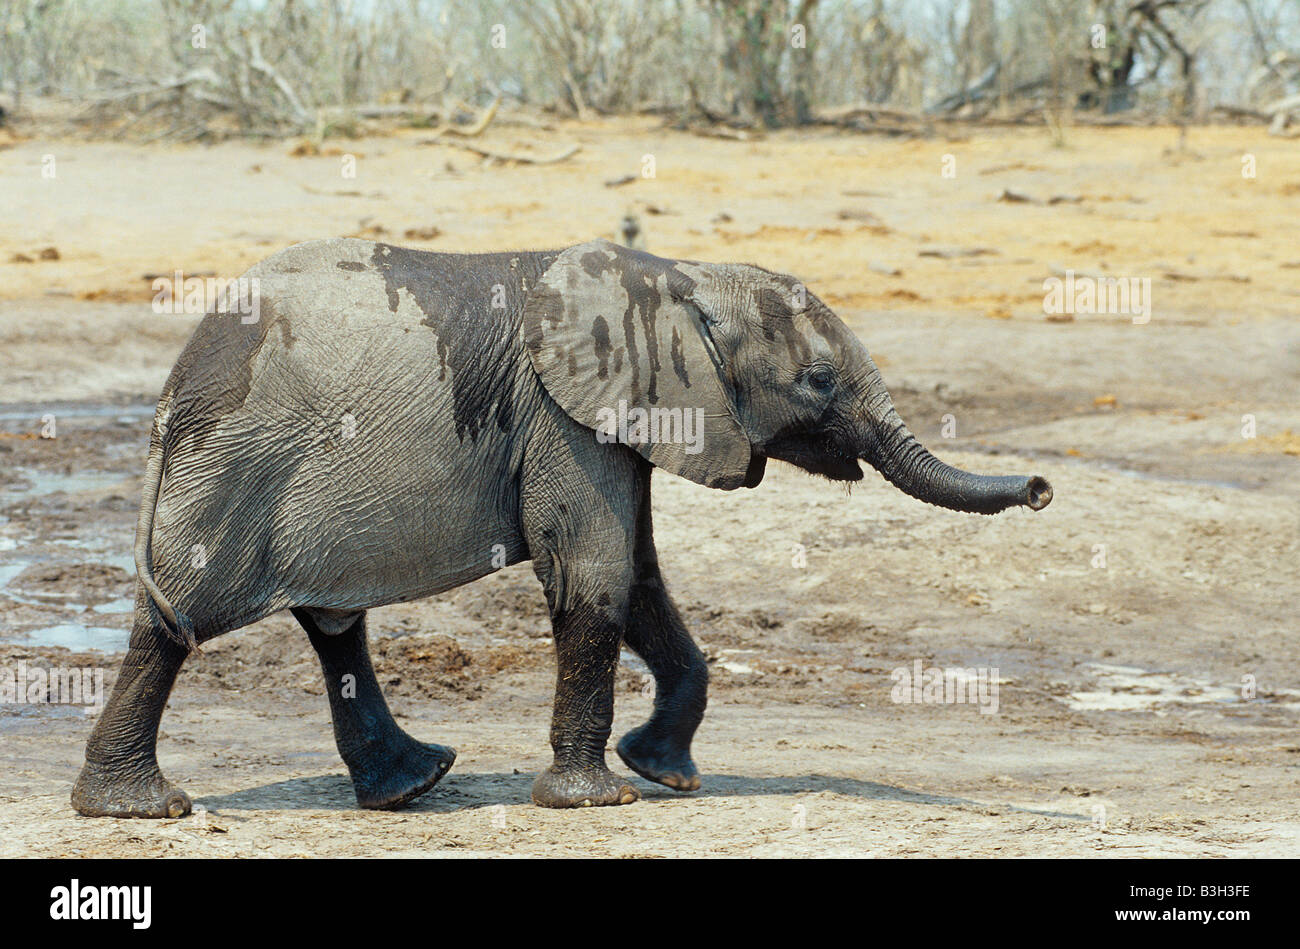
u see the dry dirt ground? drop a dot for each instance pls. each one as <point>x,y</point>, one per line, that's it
<point>1142,628</point>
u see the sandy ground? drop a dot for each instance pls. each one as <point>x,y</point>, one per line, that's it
<point>1122,621</point>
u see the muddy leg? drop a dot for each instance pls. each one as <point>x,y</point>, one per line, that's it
<point>660,750</point>
<point>579,521</point>
<point>388,766</point>
<point>121,777</point>
<point>587,641</point>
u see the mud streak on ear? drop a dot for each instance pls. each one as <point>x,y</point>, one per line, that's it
<point>606,326</point>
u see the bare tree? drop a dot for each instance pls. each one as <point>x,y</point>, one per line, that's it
<point>204,68</point>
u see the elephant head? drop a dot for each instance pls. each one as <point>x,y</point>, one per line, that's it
<point>760,366</point>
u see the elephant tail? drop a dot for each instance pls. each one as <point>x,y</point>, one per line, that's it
<point>177,625</point>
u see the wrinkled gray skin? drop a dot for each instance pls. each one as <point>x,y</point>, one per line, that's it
<point>398,423</point>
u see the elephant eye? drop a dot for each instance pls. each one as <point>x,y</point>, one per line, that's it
<point>821,378</point>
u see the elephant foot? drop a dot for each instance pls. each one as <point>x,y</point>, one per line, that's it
<point>581,788</point>
<point>104,792</point>
<point>655,762</point>
<point>394,779</point>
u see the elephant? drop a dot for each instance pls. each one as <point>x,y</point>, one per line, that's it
<point>394,423</point>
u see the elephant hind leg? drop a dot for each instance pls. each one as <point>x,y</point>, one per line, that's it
<point>388,766</point>
<point>121,777</point>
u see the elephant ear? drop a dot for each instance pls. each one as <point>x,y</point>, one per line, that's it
<point>621,348</point>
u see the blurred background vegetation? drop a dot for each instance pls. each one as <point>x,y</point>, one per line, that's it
<point>207,69</point>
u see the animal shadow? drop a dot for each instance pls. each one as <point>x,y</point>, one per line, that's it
<point>472,791</point>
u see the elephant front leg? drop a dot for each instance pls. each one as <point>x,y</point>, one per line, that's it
<point>588,622</point>
<point>579,503</point>
<point>587,644</point>
<point>660,750</point>
<point>388,766</point>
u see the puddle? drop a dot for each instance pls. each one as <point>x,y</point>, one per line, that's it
<point>121,605</point>
<point>32,413</point>
<point>1130,688</point>
<point>74,636</point>
<point>11,569</point>
<point>737,668</point>
<point>39,483</point>
<point>100,549</point>
<point>126,561</point>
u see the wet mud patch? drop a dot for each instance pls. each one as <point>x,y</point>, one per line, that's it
<point>89,582</point>
<point>276,654</point>
<point>1119,688</point>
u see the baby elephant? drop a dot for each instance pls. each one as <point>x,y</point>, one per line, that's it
<point>364,424</point>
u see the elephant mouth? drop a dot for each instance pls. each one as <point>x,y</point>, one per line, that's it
<point>837,469</point>
<point>810,454</point>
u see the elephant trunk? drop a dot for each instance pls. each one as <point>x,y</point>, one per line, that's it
<point>907,465</point>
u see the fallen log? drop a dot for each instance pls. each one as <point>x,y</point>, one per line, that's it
<point>975,92</point>
<point>469,131</point>
<point>512,157</point>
